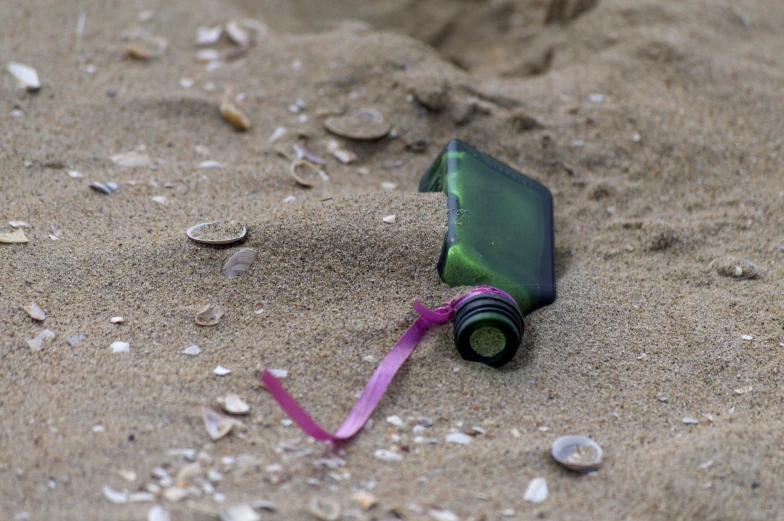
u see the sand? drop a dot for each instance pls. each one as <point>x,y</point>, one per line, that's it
<point>657,126</point>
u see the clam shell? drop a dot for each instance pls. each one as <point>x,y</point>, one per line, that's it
<point>239,263</point>
<point>105,187</point>
<point>209,315</point>
<point>301,179</point>
<point>577,453</point>
<point>217,425</point>
<point>363,125</point>
<point>217,232</point>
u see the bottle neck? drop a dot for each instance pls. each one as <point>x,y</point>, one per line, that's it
<point>488,329</point>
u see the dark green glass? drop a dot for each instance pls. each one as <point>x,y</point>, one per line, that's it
<point>500,229</point>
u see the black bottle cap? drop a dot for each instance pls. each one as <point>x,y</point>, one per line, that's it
<point>488,329</point>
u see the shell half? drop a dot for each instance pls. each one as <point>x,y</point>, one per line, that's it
<point>577,453</point>
<point>217,232</point>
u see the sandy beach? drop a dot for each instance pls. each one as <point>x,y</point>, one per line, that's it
<point>656,124</point>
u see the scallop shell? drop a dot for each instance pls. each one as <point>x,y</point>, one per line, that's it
<point>209,315</point>
<point>364,125</point>
<point>239,263</point>
<point>303,181</point>
<point>577,453</point>
<point>217,232</point>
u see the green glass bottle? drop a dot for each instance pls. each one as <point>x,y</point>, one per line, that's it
<point>500,234</point>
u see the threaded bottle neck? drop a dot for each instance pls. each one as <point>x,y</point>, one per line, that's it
<point>488,329</point>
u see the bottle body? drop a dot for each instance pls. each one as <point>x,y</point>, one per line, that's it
<point>500,226</point>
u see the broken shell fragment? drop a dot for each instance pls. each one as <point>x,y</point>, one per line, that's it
<point>14,237</point>
<point>217,425</point>
<point>239,263</point>
<point>25,75</point>
<point>237,35</point>
<point>241,512</point>
<point>147,49</point>
<point>19,224</point>
<point>323,508</point>
<point>115,496</point>
<point>192,350</point>
<point>120,347</point>
<point>207,55</point>
<point>35,311</point>
<point>577,453</point>
<point>735,268</point>
<point>37,343</point>
<point>365,500</point>
<point>208,35</point>
<point>105,187</point>
<point>217,232</point>
<point>209,315</point>
<point>298,171</point>
<point>233,404</point>
<point>158,513</point>
<point>133,160</point>
<point>341,154</point>
<point>536,492</point>
<point>232,114</point>
<point>364,125</point>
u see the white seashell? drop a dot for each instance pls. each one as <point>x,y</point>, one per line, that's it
<point>441,514</point>
<point>395,420</point>
<point>240,512</point>
<point>187,474</point>
<point>208,35</point>
<point>217,232</point>
<point>536,491</point>
<point>75,339</point>
<point>323,508</point>
<point>158,513</point>
<point>265,504</point>
<point>175,494</point>
<point>117,320</point>
<point>217,425</point>
<point>207,55</point>
<point>25,75</point>
<point>578,453</point>
<point>233,404</point>
<point>221,371</point>
<point>390,219</point>
<point>239,263</point>
<point>16,237</point>
<point>141,497</point>
<point>117,497</point>
<point>387,456</point>
<point>744,390</point>
<point>75,174</point>
<point>105,187</point>
<point>279,373</point>
<point>18,224</point>
<point>37,343</point>
<point>458,437</point>
<point>386,185</point>
<point>35,311</point>
<point>210,164</point>
<point>341,154</point>
<point>120,347</point>
<point>237,34</point>
<point>688,420</point>
<point>209,315</point>
<point>277,134</point>
<point>160,199</point>
<point>186,83</point>
<point>192,350</point>
<point>364,124</point>
<point>133,160</point>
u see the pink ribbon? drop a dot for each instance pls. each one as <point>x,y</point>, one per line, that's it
<point>381,378</point>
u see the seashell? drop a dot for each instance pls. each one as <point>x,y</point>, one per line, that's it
<point>35,311</point>
<point>238,35</point>
<point>233,404</point>
<point>141,497</point>
<point>363,125</point>
<point>132,159</point>
<point>18,224</point>
<point>301,178</point>
<point>342,155</point>
<point>323,508</point>
<point>221,371</point>
<point>458,437</point>
<point>147,49</point>
<point>208,35</point>
<point>117,320</point>
<point>158,513</point>
<point>303,152</point>
<point>441,514</point>
<point>105,187</point>
<point>240,512</point>
<point>187,474</point>
<point>365,500</point>
<point>536,492</point>
<point>387,456</point>
<point>390,219</point>
<point>209,315</point>
<point>37,343</point>
<point>15,237</point>
<point>735,268</point>
<point>217,425</point>
<point>120,347</point>
<point>75,339</point>
<point>117,497</point>
<point>232,114</point>
<point>577,453</point>
<point>25,75</point>
<point>277,134</point>
<point>239,263</point>
<point>210,164</point>
<point>217,232</point>
<point>192,350</point>
<point>207,55</point>
<point>175,494</point>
